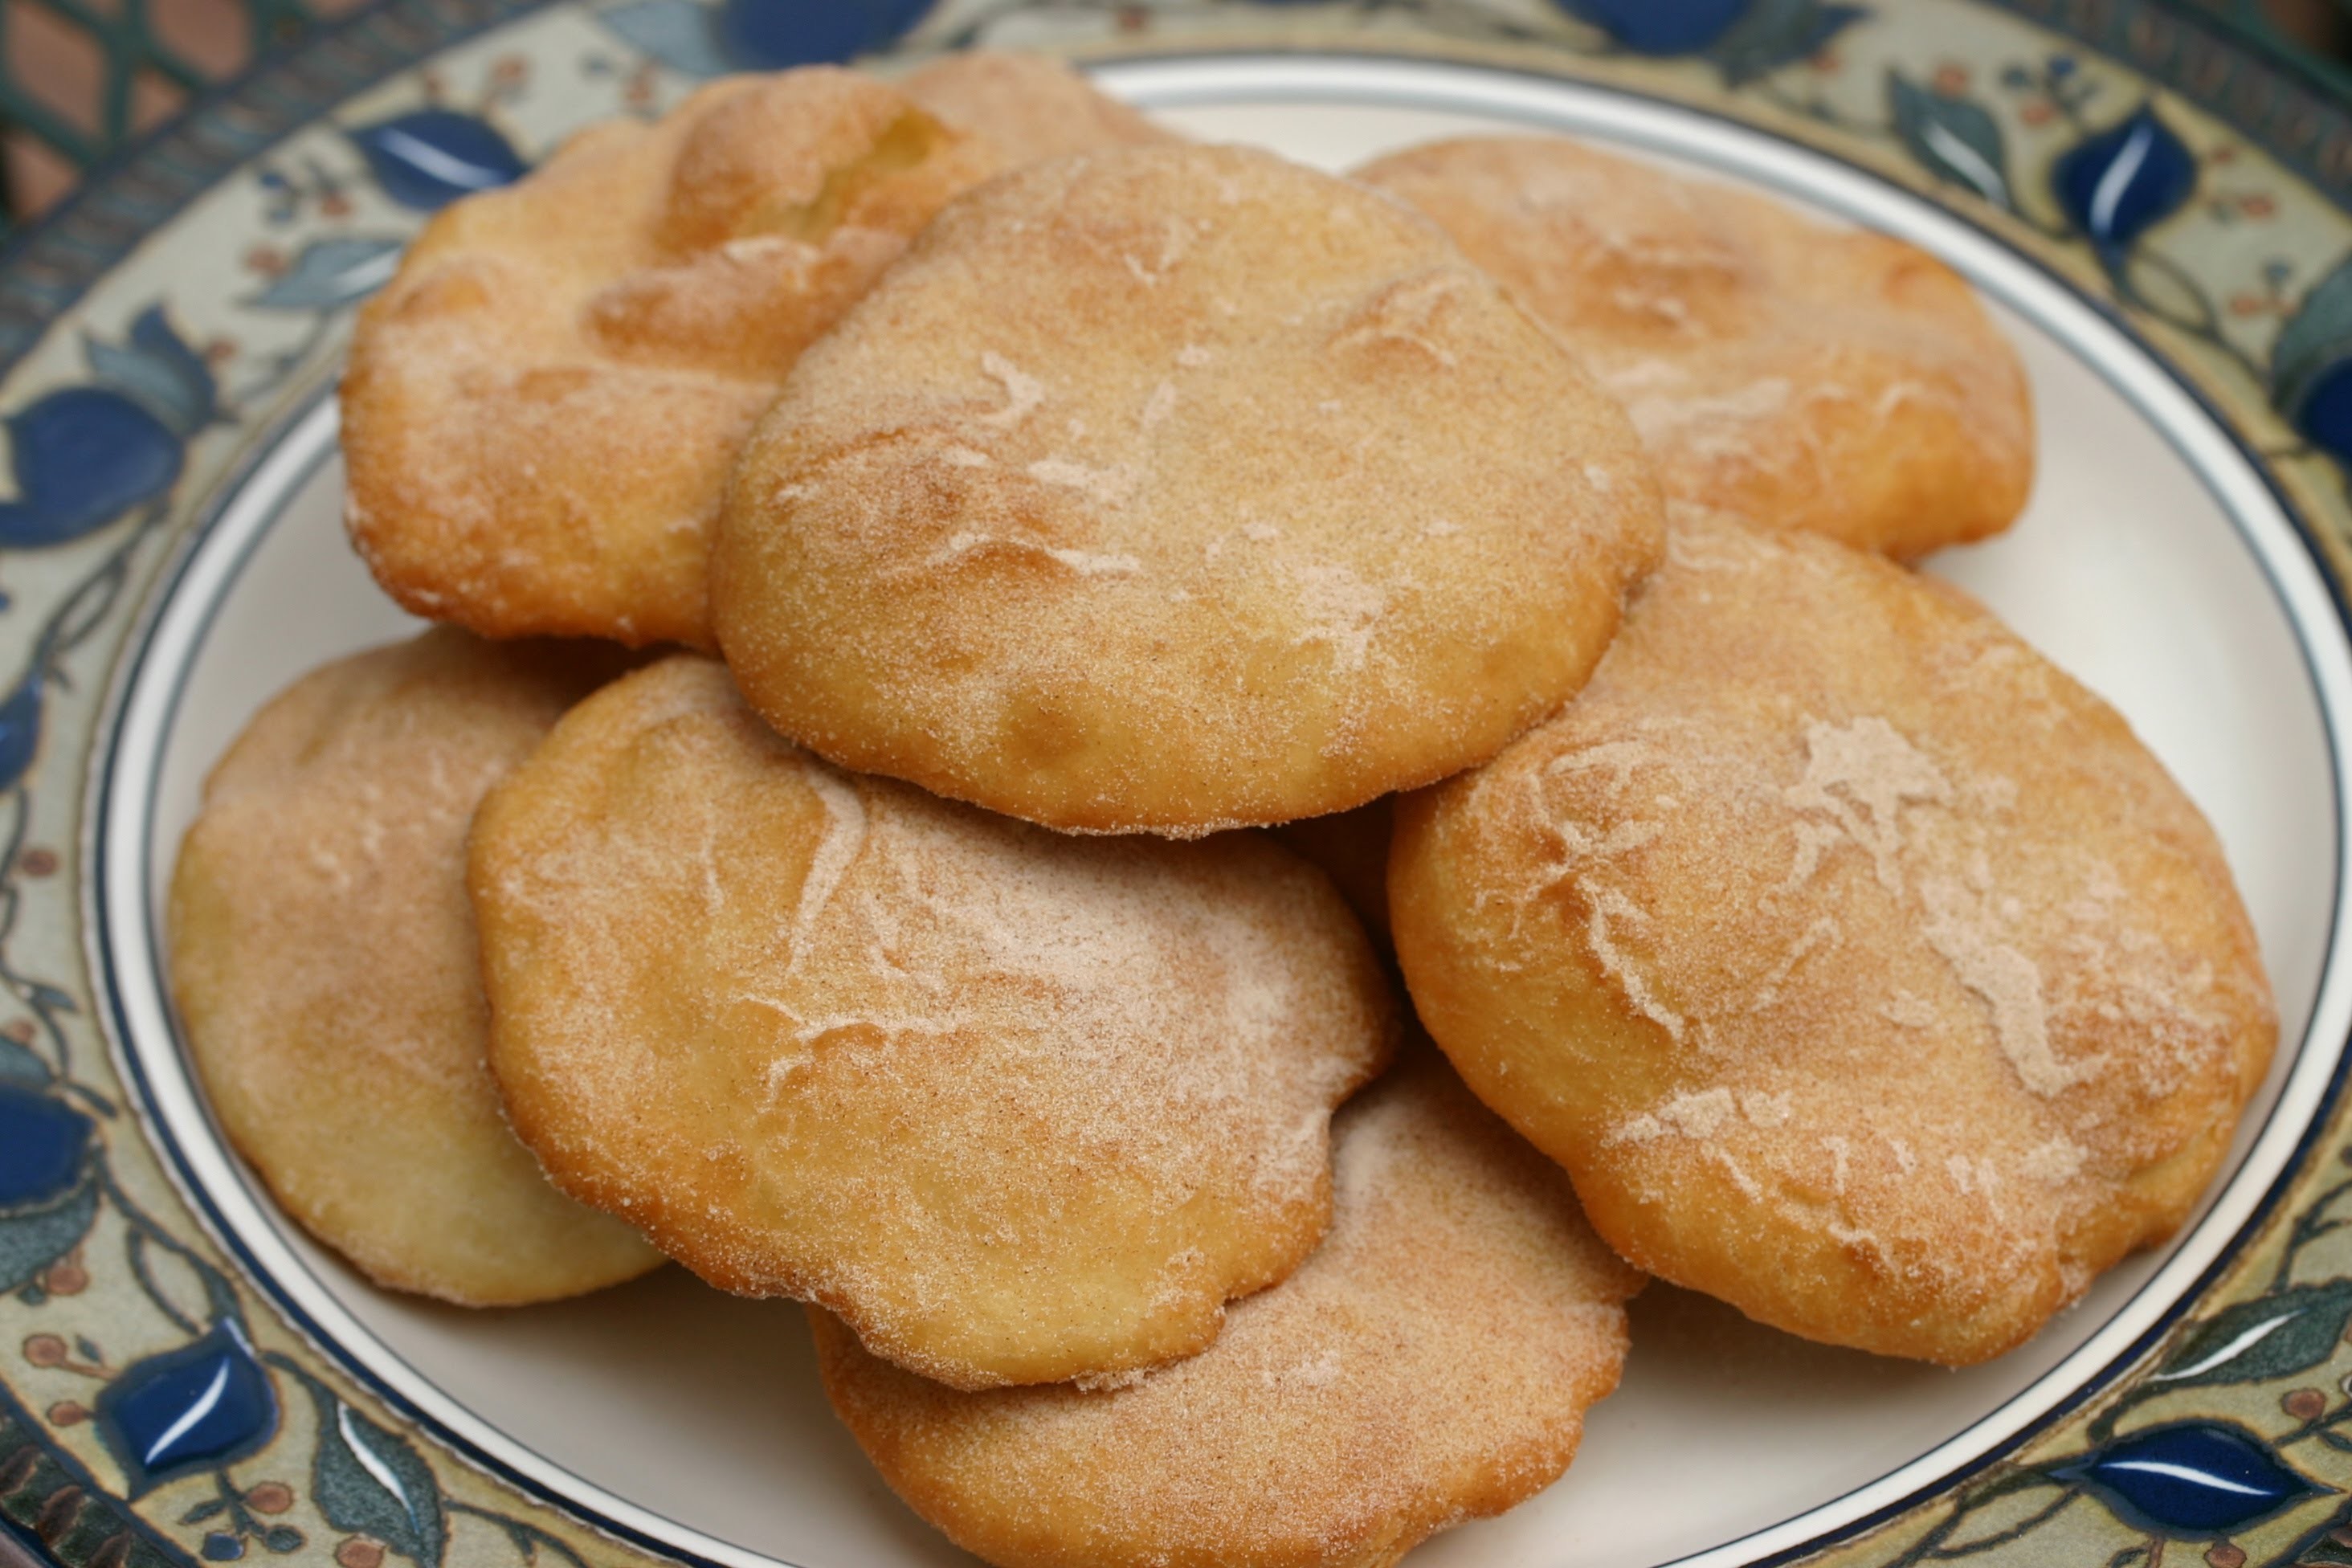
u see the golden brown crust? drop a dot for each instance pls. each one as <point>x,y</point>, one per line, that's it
<point>324,964</point>
<point>1431,1365</point>
<point>541,408</point>
<point>1863,969</point>
<point>1028,107</point>
<point>1784,373</point>
<point>1162,490</point>
<point>1020,1107</point>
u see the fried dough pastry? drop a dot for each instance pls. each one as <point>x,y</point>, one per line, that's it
<point>1019,1106</point>
<point>1162,490</point>
<point>1028,107</point>
<point>1431,1365</point>
<point>1864,970</point>
<point>1790,374</point>
<point>323,957</point>
<point>541,408</point>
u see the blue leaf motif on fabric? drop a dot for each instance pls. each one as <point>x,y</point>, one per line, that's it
<point>2194,1479</point>
<point>332,272</point>
<point>1661,26</point>
<point>44,1143</point>
<point>770,35</point>
<point>2311,364</point>
<point>1775,33</point>
<point>2117,184</point>
<point>1951,138</point>
<point>680,34</point>
<point>48,1183</point>
<point>20,729</point>
<point>33,1238</point>
<point>81,457</point>
<point>156,367</point>
<point>207,1404</point>
<point>428,158</point>
<point>371,1481</point>
<point>20,1064</point>
<point>2325,413</point>
<point>2277,1335</point>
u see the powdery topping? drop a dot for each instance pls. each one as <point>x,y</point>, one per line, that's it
<point>2004,979</point>
<point>845,835</point>
<point>1024,393</point>
<point>1823,839</point>
<point>1106,487</point>
<point>1612,911</point>
<point>1783,373</point>
<point>1342,611</point>
<point>543,405</point>
<point>324,964</point>
<point>1331,579</point>
<point>1431,1363</point>
<point>1028,107</point>
<point>1022,1107</point>
<point>1863,765</point>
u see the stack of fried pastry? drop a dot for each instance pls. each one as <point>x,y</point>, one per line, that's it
<point>1043,505</point>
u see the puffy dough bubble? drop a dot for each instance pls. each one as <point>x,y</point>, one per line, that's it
<point>541,408</point>
<point>1029,106</point>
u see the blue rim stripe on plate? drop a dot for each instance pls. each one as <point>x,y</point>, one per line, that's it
<point>137,647</point>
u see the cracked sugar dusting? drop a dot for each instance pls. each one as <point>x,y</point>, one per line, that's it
<point>979,1063</point>
<point>1878,875</point>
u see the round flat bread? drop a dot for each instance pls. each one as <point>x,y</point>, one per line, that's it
<point>328,985</point>
<point>1431,1364</point>
<point>1786,373</point>
<point>1864,970</point>
<point>1177,488</point>
<point>1019,1106</point>
<point>1028,107</point>
<point>541,409</point>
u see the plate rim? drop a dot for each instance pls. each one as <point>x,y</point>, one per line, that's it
<point>566,1489</point>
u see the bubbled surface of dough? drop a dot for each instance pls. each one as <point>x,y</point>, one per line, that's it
<point>1176,488</point>
<point>541,408</point>
<point>1864,970</point>
<point>1028,107</point>
<point>324,963</point>
<point>1020,1107</point>
<point>1431,1363</point>
<point>1790,374</point>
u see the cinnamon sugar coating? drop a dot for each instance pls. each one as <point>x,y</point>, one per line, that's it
<point>1863,969</point>
<point>1019,1106</point>
<point>541,408</point>
<point>324,964</point>
<point>1177,488</point>
<point>1028,107</point>
<point>1430,1364</point>
<point>1786,373</point>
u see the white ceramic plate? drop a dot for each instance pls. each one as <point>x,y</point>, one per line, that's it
<point>2155,565</point>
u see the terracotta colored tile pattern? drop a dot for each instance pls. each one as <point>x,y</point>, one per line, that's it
<point>63,67</point>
